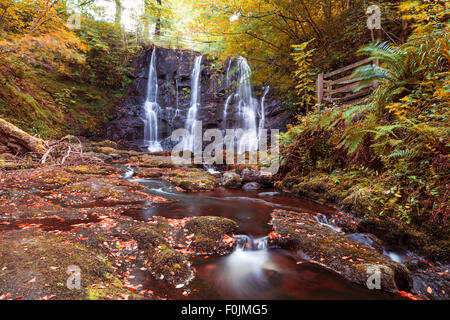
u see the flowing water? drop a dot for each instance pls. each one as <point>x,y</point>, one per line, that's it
<point>191,120</point>
<point>253,270</point>
<point>249,113</point>
<point>151,109</point>
<point>262,114</point>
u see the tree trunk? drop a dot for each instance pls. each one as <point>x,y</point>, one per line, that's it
<point>19,141</point>
<point>158,23</point>
<point>118,16</point>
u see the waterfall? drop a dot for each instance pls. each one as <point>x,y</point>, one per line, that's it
<point>247,108</point>
<point>177,111</point>
<point>248,243</point>
<point>151,109</point>
<point>225,110</point>
<point>248,116</point>
<point>195,103</point>
<point>228,73</point>
<point>262,115</point>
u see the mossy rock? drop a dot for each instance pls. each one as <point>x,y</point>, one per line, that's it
<point>149,173</point>
<point>209,232</point>
<point>349,258</point>
<point>172,265</point>
<point>34,265</point>
<point>92,170</point>
<point>147,236</point>
<point>231,180</point>
<point>193,180</point>
<point>106,143</point>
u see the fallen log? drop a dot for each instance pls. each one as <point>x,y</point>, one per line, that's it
<point>18,140</point>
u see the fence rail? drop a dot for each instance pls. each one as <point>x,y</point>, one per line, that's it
<point>331,89</point>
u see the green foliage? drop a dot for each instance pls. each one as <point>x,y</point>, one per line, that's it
<point>400,133</point>
<point>303,74</point>
<point>108,58</point>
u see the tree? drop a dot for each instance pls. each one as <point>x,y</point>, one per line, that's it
<point>118,15</point>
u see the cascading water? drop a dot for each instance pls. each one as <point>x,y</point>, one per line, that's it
<point>244,270</point>
<point>262,115</point>
<point>191,121</point>
<point>151,109</point>
<point>247,113</point>
<point>247,109</point>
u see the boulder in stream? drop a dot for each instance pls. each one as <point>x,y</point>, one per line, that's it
<point>231,180</point>
<point>349,258</point>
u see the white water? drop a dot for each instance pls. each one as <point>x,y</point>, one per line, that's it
<point>243,271</point>
<point>225,110</point>
<point>262,114</point>
<point>129,173</point>
<point>151,109</point>
<point>247,111</point>
<point>177,111</point>
<point>191,120</point>
<point>228,73</point>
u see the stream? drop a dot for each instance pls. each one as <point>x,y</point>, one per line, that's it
<point>253,271</point>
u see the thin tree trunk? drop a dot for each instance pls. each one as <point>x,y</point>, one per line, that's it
<point>158,23</point>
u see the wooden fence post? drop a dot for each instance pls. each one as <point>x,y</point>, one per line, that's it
<point>319,88</point>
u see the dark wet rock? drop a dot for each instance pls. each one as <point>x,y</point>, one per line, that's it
<point>367,239</point>
<point>251,186</point>
<point>249,175</point>
<point>174,69</point>
<point>268,194</point>
<point>428,284</point>
<point>231,180</point>
<point>349,258</point>
<point>193,180</point>
<point>209,232</point>
<point>346,221</point>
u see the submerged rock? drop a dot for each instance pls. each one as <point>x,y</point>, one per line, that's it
<point>351,259</point>
<point>251,186</point>
<point>268,194</point>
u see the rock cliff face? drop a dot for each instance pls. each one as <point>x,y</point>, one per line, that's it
<point>174,68</point>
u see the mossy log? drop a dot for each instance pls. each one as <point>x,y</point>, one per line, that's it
<point>18,140</point>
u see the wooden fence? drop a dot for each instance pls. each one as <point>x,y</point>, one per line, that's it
<point>338,86</point>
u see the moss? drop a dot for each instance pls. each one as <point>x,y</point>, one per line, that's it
<point>113,289</point>
<point>300,231</point>
<point>378,208</point>
<point>93,170</point>
<point>193,180</point>
<point>28,255</point>
<point>149,173</point>
<point>209,231</point>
